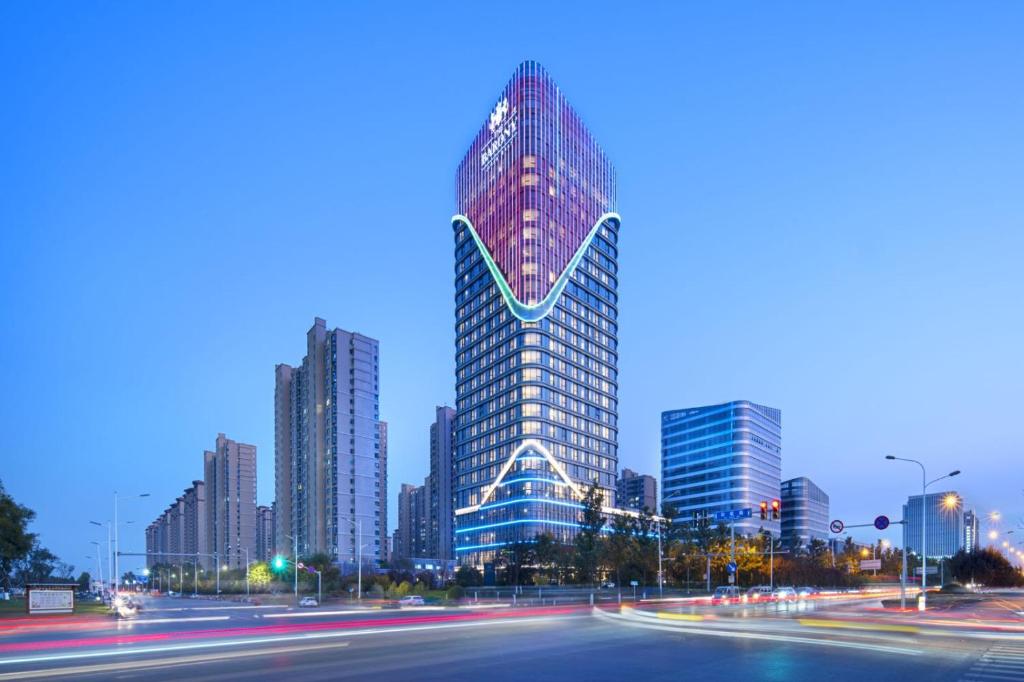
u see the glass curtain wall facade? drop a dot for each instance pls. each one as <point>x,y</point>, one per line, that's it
<point>722,457</point>
<point>944,529</point>
<point>536,331</point>
<point>804,512</point>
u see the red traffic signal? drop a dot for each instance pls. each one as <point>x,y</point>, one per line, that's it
<point>764,510</point>
<point>776,507</point>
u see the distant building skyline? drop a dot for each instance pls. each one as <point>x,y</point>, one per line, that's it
<point>722,457</point>
<point>637,491</point>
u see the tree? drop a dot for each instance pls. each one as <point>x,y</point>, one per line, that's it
<point>618,548</point>
<point>514,557</point>
<point>259,576</point>
<point>468,576</point>
<point>84,581</point>
<point>588,539</point>
<point>545,554</point>
<point>15,540</point>
<point>986,566</point>
<point>37,566</point>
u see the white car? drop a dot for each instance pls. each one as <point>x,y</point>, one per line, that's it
<point>411,600</point>
<point>308,601</point>
<point>784,594</point>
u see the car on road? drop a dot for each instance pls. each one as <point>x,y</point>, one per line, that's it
<point>759,593</point>
<point>784,594</point>
<point>726,594</point>
<point>411,600</point>
<point>608,584</point>
<point>309,601</point>
<point>807,592</point>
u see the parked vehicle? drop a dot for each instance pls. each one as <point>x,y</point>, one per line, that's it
<point>309,601</point>
<point>411,600</point>
<point>726,594</point>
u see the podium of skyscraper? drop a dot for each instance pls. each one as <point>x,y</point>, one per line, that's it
<point>536,333</point>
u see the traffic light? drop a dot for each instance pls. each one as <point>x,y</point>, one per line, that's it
<point>278,563</point>
<point>764,510</point>
<point>776,507</point>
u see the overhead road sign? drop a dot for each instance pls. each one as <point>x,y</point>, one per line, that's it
<point>733,514</point>
<point>836,526</point>
<point>881,522</point>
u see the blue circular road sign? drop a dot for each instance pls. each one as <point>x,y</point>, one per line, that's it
<point>881,522</point>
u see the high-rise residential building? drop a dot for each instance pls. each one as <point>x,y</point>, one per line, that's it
<point>441,517</point>
<point>720,458</point>
<point>402,542</point>
<point>420,522</point>
<point>536,280</point>
<point>804,512</point>
<point>971,540</point>
<point>382,489</point>
<point>230,483</point>
<point>179,533</point>
<point>195,526</point>
<point>285,420</point>
<point>331,475</point>
<point>637,491</point>
<point>413,534</point>
<point>264,534</point>
<point>944,524</point>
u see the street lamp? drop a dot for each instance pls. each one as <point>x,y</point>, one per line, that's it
<point>924,514</point>
<point>358,525</point>
<point>116,544</point>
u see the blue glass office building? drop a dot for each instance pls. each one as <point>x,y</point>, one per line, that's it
<point>722,457</point>
<point>536,333</point>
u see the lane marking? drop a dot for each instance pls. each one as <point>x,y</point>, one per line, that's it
<point>307,614</point>
<point>153,621</point>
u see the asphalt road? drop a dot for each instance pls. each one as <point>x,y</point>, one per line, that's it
<point>490,645</point>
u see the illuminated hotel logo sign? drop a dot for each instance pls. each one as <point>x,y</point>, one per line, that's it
<point>503,130</point>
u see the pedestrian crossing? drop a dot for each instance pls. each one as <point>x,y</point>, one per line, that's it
<point>1000,663</point>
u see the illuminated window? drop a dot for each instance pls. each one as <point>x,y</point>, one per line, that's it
<point>530,215</point>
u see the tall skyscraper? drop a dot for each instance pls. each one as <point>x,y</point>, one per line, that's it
<point>536,321</point>
<point>327,442</point>
<point>944,527</point>
<point>804,512</point>
<point>442,469</point>
<point>722,457</point>
<point>230,485</point>
<point>637,491</point>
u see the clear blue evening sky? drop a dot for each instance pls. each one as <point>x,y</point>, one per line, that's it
<point>822,211</point>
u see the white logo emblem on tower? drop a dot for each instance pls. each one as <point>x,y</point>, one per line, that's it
<point>498,115</point>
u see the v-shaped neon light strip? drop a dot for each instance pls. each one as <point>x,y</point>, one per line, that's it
<point>537,311</point>
<point>537,446</point>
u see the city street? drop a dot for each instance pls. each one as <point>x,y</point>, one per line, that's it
<point>199,640</point>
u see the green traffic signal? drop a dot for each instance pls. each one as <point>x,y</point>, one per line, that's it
<point>279,563</point>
